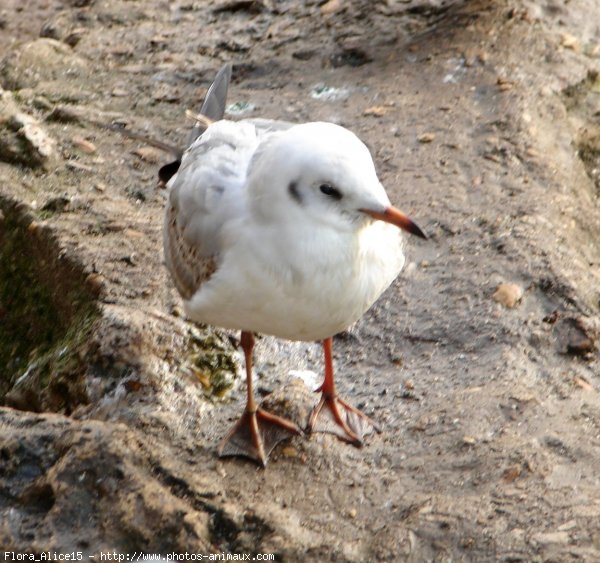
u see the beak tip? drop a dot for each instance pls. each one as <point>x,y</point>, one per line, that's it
<point>416,230</point>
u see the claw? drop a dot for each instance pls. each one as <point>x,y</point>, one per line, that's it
<point>255,435</point>
<point>342,419</point>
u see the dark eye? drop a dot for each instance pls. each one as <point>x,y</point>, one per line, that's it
<point>330,191</point>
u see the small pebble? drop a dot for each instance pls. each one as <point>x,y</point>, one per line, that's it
<point>331,7</point>
<point>426,137</point>
<point>149,154</point>
<point>569,41</point>
<point>132,233</point>
<point>508,294</point>
<point>504,84</point>
<point>83,145</point>
<point>375,111</point>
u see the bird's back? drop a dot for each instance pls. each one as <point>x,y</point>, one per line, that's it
<point>204,195</point>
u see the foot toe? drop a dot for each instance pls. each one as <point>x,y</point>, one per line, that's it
<point>255,435</point>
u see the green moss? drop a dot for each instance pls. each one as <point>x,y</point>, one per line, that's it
<point>28,313</point>
<point>46,314</point>
<point>211,359</point>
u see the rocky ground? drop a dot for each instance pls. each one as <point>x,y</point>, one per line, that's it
<point>480,362</point>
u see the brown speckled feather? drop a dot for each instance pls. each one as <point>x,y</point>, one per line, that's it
<point>188,268</point>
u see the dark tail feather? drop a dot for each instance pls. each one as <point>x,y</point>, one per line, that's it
<point>167,171</point>
<point>213,107</point>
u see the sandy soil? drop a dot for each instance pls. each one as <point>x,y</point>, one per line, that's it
<point>480,361</point>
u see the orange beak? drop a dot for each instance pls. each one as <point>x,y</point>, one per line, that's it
<point>396,217</point>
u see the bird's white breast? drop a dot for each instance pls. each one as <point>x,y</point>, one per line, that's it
<point>298,284</point>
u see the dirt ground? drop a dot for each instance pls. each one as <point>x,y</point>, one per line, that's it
<point>480,361</point>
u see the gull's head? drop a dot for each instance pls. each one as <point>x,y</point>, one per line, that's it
<point>320,173</point>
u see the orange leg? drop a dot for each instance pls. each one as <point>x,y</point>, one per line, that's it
<point>257,431</point>
<point>345,421</point>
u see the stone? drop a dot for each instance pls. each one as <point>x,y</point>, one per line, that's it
<point>23,140</point>
<point>508,294</point>
<point>42,60</point>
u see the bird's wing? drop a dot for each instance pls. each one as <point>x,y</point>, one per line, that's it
<point>207,192</point>
<point>212,108</point>
<point>206,187</point>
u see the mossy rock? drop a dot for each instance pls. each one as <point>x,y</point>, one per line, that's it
<point>211,359</point>
<point>46,316</point>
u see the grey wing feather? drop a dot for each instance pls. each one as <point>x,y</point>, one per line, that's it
<point>205,194</point>
<point>214,103</point>
<point>213,107</point>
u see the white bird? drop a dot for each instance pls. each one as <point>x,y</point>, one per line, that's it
<point>284,230</point>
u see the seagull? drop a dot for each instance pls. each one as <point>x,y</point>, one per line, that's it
<point>280,229</point>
